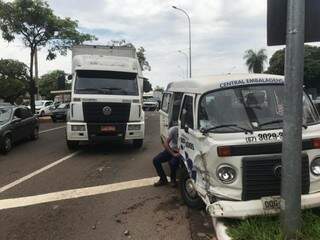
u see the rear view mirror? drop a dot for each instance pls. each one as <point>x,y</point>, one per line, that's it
<point>69,77</point>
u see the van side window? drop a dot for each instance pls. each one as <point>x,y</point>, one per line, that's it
<point>186,115</point>
<point>174,115</point>
<point>165,102</point>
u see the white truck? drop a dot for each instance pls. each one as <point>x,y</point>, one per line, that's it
<point>106,98</point>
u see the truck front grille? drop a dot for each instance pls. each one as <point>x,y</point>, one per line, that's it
<point>93,112</point>
<point>260,179</point>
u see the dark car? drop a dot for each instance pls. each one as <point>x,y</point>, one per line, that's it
<point>16,124</point>
<point>60,113</point>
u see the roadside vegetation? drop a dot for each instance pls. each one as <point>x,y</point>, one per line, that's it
<point>268,228</point>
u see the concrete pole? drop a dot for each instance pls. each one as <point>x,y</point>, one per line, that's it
<point>36,72</point>
<point>292,129</point>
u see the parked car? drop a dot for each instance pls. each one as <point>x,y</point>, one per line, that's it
<point>60,113</point>
<point>150,104</point>
<point>16,123</point>
<point>44,107</point>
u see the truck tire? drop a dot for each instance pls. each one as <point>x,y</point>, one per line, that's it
<point>6,145</point>
<point>188,194</point>
<point>137,143</point>
<point>72,145</point>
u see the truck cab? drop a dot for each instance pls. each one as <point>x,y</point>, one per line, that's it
<point>106,101</point>
<point>230,139</point>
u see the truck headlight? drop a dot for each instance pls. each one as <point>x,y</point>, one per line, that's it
<point>315,167</point>
<point>134,127</point>
<point>226,174</point>
<point>78,128</point>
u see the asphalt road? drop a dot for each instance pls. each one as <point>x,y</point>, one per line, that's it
<point>100,192</point>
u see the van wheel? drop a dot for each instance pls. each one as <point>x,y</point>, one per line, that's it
<point>42,114</point>
<point>6,144</point>
<point>72,145</point>
<point>137,143</point>
<point>188,193</point>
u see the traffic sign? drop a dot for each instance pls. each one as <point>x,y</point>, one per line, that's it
<point>277,21</point>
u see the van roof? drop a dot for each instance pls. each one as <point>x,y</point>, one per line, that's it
<point>201,85</point>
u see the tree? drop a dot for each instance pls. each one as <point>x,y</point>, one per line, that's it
<point>311,65</point>
<point>37,25</point>
<point>13,79</point>
<point>255,60</point>
<point>159,89</point>
<point>147,87</point>
<point>49,82</point>
<point>140,53</point>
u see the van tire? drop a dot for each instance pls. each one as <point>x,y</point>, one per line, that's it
<point>137,143</point>
<point>35,134</point>
<point>6,145</point>
<point>192,201</point>
<point>72,145</point>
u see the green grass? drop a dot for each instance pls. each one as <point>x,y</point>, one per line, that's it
<point>268,228</point>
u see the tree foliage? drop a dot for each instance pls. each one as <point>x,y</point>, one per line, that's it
<point>140,53</point>
<point>49,82</point>
<point>36,24</point>
<point>311,65</point>
<point>159,89</point>
<point>147,86</point>
<point>255,60</point>
<point>13,79</point>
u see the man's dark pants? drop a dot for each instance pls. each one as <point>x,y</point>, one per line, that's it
<point>162,157</point>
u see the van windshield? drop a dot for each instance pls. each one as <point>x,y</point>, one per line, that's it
<point>106,82</point>
<point>251,107</point>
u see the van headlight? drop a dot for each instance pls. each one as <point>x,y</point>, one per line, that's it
<point>226,174</point>
<point>78,128</point>
<point>134,127</point>
<point>315,167</point>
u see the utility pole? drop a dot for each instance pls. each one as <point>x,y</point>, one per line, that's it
<point>189,22</point>
<point>292,128</point>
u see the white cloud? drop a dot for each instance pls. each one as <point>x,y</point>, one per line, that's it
<point>221,31</point>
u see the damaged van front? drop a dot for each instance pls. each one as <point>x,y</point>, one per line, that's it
<point>231,142</point>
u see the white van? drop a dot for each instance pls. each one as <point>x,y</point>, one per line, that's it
<point>230,134</point>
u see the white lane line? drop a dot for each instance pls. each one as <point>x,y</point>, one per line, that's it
<point>51,129</point>
<point>27,177</point>
<point>74,193</point>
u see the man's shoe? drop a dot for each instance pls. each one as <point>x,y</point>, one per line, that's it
<point>160,183</point>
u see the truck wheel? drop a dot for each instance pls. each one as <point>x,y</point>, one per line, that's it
<point>72,145</point>
<point>137,143</point>
<point>35,134</point>
<point>6,144</point>
<point>188,193</point>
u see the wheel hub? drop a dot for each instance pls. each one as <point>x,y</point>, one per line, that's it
<point>190,188</point>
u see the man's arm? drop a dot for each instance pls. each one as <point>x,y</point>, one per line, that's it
<point>173,152</point>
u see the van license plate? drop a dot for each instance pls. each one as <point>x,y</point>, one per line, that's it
<point>108,129</point>
<point>271,203</point>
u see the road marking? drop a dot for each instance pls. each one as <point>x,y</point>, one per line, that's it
<point>25,178</point>
<point>74,193</point>
<point>52,129</point>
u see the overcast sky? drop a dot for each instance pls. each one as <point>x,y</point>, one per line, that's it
<point>221,32</point>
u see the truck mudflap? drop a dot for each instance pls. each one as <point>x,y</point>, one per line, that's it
<point>263,206</point>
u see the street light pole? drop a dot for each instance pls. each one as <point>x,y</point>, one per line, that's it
<point>186,55</point>
<point>292,130</point>
<point>189,21</point>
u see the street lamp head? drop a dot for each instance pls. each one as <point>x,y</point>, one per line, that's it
<point>174,7</point>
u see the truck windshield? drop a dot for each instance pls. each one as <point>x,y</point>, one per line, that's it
<point>251,107</point>
<point>106,82</point>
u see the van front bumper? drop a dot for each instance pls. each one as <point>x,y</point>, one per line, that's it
<point>245,209</point>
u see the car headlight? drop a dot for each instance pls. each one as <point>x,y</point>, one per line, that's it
<point>315,167</point>
<point>134,127</point>
<point>226,174</point>
<point>78,128</point>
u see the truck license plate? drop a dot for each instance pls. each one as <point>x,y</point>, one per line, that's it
<point>271,203</point>
<point>108,129</point>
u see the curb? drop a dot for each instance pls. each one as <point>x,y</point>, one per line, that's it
<point>221,229</point>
